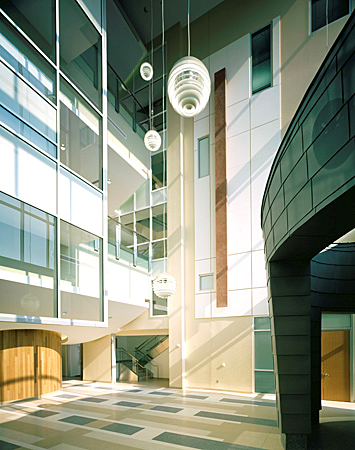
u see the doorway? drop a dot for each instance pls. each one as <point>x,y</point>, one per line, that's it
<point>335,365</point>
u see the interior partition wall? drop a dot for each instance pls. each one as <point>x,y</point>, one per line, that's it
<point>53,163</point>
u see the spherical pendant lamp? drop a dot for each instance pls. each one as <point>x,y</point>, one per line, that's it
<point>189,86</point>
<point>146,71</point>
<point>164,285</point>
<point>152,140</point>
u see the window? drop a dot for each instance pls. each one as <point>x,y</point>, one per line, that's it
<point>324,12</point>
<point>264,373</point>
<point>80,135</point>
<point>261,59</point>
<point>80,49</point>
<point>204,157</point>
<point>37,19</point>
<point>80,274</point>
<point>158,164</point>
<point>27,259</point>
<point>206,282</point>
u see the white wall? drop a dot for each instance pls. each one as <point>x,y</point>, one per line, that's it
<point>253,137</point>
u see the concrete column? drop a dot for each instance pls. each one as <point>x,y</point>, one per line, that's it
<point>290,313</point>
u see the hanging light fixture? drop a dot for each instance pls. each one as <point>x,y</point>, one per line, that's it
<point>152,139</point>
<point>189,83</point>
<point>146,71</point>
<point>164,285</point>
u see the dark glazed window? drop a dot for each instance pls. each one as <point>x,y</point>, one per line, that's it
<point>80,49</point>
<point>37,19</point>
<point>158,162</point>
<point>261,59</point>
<point>327,11</point>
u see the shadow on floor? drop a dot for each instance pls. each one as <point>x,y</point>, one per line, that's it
<point>334,436</point>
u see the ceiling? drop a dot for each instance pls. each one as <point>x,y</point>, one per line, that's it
<point>139,14</point>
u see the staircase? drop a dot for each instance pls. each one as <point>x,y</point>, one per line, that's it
<point>129,368</point>
<point>151,348</point>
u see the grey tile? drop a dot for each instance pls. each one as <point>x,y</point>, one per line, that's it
<point>198,397</point>
<point>168,409</point>
<point>92,399</point>
<point>160,393</point>
<point>134,390</point>
<point>77,420</point>
<point>236,418</point>
<point>249,402</point>
<point>122,428</point>
<point>66,396</point>
<point>42,413</point>
<point>128,404</point>
<point>200,443</point>
<point>7,446</point>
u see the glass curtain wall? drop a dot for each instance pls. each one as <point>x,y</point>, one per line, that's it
<point>39,135</point>
<point>264,365</point>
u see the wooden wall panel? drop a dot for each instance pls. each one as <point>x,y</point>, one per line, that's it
<point>30,363</point>
<point>221,189</point>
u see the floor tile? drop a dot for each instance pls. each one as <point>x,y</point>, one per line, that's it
<point>92,399</point>
<point>168,409</point>
<point>236,418</point>
<point>42,413</point>
<point>122,428</point>
<point>77,420</point>
<point>128,404</point>
<point>7,446</point>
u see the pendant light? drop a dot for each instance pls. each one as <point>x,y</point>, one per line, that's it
<point>189,83</point>
<point>164,285</point>
<point>152,139</point>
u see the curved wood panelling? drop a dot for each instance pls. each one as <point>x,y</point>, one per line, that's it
<point>30,363</point>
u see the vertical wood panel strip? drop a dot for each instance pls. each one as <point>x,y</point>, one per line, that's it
<point>221,189</point>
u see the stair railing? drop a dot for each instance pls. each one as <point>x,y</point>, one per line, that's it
<point>131,362</point>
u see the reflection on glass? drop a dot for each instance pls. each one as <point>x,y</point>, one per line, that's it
<point>142,195</point>
<point>204,157</point>
<point>159,249</point>
<point>158,165</point>
<point>263,350</point>
<point>80,135</point>
<point>20,128</point>
<point>26,103</point>
<point>261,59</point>
<point>37,19</point>
<point>327,11</point>
<point>25,60</point>
<point>128,205</point>
<point>80,273</point>
<point>27,259</point>
<point>80,49</point>
<point>261,323</point>
<point>265,382</point>
<point>159,222</point>
<point>160,306</point>
<point>143,223</point>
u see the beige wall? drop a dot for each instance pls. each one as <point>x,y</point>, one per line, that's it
<point>162,361</point>
<point>301,53</point>
<point>97,359</point>
<point>145,325</point>
<point>207,343</point>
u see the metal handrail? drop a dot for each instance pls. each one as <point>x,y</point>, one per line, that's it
<point>133,360</point>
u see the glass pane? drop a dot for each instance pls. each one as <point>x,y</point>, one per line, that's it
<point>160,306</point>
<point>203,157</point>
<point>159,196</point>
<point>262,323</point>
<point>206,282</point>
<point>26,103</point>
<point>338,321</point>
<point>143,256</point>
<point>158,267</point>
<point>318,14</point>
<point>261,59</point>
<point>80,273</point>
<point>159,249</point>
<point>23,130</point>
<point>263,350</point>
<point>27,259</point>
<point>142,195</point>
<point>265,382</point>
<point>26,61</point>
<point>80,49</point>
<point>159,216</point>
<point>143,223</point>
<point>127,221</point>
<point>80,135</point>
<point>158,164</point>
<point>128,205</point>
<point>37,19</point>
<point>337,9</point>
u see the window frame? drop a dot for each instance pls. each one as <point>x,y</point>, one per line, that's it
<point>270,25</point>
<point>329,23</point>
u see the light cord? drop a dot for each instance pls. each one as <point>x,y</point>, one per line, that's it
<point>163,61</point>
<point>188,27</point>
